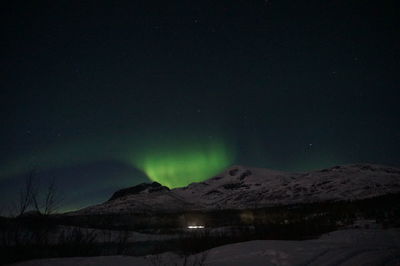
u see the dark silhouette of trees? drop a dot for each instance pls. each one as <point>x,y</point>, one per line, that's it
<point>27,193</point>
<point>33,198</point>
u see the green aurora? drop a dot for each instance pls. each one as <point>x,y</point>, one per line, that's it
<point>171,161</point>
<point>180,165</point>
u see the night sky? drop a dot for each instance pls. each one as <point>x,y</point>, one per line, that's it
<point>103,95</point>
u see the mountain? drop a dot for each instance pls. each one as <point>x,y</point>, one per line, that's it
<point>141,188</point>
<point>241,187</point>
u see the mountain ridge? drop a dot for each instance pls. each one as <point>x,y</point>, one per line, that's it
<point>241,187</point>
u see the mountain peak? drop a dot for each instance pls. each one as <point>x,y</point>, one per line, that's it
<point>139,189</point>
<point>241,187</point>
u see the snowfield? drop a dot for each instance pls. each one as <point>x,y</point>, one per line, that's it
<point>344,247</point>
<point>241,187</point>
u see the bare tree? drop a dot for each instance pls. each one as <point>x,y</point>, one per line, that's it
<point>45,201</point>
<point>27,193</point>
<point>50,200</point>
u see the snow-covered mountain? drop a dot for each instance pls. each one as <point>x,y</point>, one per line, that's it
<point>241,187</point>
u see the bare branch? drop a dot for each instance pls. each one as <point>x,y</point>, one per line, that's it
<point>44,202</point>
<point>27,193</point>
<point>51,201</point>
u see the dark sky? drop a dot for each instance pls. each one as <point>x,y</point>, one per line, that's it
<point>107,94</point>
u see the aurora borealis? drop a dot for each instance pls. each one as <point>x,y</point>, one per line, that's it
<point>104,95</point>
<point>171,162</point>
<point>178,166</point>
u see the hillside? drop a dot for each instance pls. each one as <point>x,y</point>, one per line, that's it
<point>241,187</point>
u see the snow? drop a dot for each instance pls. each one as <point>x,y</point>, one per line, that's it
<point>88,261</point>
<point>344,247</point>
<point>241,187</point>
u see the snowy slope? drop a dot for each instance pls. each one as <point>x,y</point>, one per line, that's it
<point>346,247</point>
<point>241,187</point>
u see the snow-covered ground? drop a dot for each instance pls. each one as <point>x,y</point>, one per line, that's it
<point>344,247</point>
<point>241,187</point>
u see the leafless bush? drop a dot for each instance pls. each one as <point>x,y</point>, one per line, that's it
<point>33,197</point>
<point>77,242</point>
<point>49,201</point>
<point>121,241</point>
<point>195,260</point>
<point>175,260</point>
<point>27,193</point>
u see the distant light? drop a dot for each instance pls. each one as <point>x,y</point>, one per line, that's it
<point>195,226</point>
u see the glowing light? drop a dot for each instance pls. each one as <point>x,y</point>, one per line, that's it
<point>195,227</point>
<point>183,163</point>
